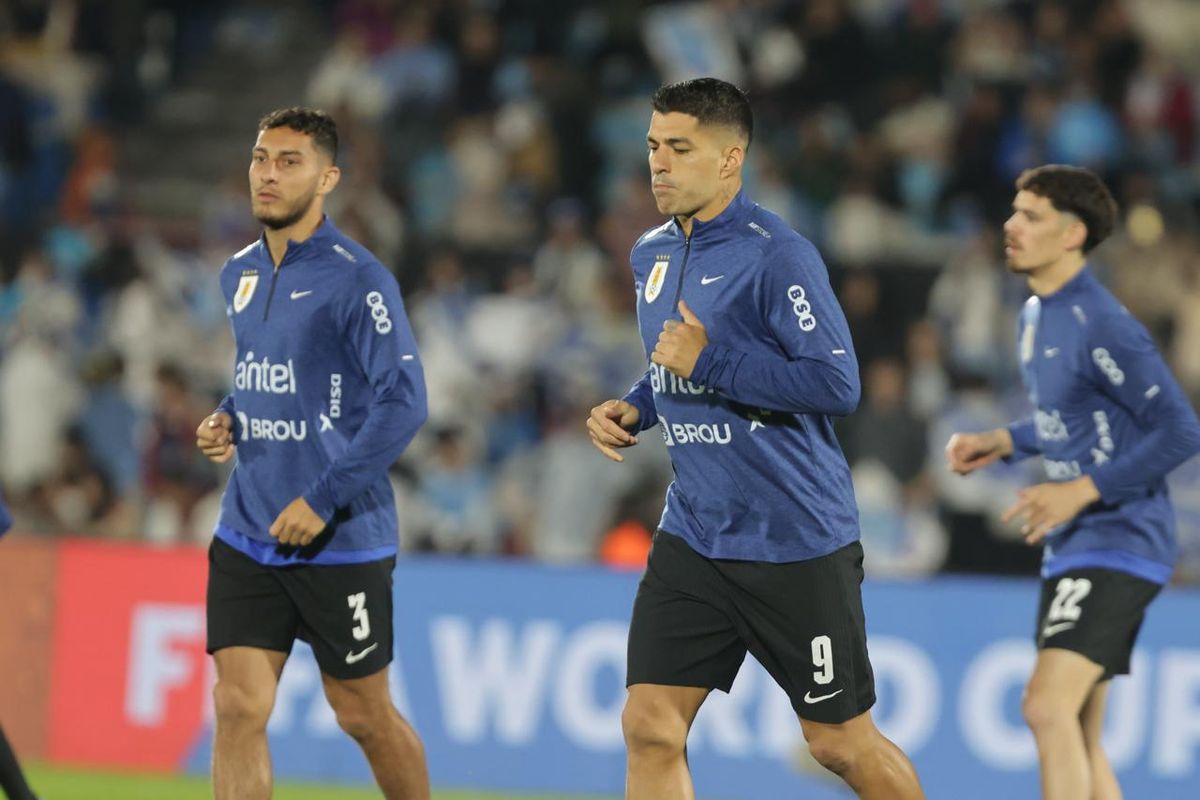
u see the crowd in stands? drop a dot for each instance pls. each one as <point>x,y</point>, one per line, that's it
<point>494,156</point>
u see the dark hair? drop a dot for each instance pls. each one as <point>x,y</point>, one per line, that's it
<point>1077,191</point>
<point>314,122</point>
<point>710,100</point>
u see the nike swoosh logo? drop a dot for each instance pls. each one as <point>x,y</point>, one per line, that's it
<point>705,281</point>
<point>353,657</point>
<point>298,295</point>
<point>1050,630</point>
<point>808,698</point>
<point>1050,352</point>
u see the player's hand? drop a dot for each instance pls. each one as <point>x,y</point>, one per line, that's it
<point>297,524</point>
<point>610,424</point>
<point>214,437</point>
<point>680,343</point>
<point>967,452</point>
<point>1048,505</point>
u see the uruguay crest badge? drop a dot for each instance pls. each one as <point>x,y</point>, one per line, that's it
<point>245,290</point>
<point>657,277</point>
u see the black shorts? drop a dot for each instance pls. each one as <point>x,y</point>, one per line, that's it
<point>343,610</point>
<point>695,618</point>
<point>1096,613</point>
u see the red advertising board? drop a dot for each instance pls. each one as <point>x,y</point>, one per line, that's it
<point>130,677</point>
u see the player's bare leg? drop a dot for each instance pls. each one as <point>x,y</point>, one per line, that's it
<point>365,711</point>
<point>656,721</point>
<point>864,758</point>
<point>1091,719</point>
<point>1054,699</point>
<point>243,698</point>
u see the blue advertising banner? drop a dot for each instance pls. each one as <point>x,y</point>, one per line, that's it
<point>513,675</point>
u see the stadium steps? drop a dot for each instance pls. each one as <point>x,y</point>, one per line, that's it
<point>201,131</point>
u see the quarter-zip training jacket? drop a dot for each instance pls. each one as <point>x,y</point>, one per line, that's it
<point>328,391</point>
<point>759,474</point>
<point>1106,405</point>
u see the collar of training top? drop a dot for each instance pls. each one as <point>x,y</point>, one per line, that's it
<point>738,207</point>
<point>325,235</point>
<point>1082,280</point>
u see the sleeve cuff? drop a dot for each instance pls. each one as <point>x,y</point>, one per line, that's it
<point>320,502</point>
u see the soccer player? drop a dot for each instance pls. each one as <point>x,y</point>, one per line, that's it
<point>328,391</point>
<point>1109,423</point>
<point>757,549</point>
<point>12,780</point>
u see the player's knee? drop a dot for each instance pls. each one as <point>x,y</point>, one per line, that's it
<point>833,749</point>
<point>1042,711</point>
<point>242,707</point>
<point>653,728</point>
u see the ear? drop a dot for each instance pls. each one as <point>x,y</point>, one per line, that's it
<point>732,158</point>
<point>1075,234</point>
<point>329,179</point>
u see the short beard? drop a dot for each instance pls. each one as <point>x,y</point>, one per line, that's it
<point>289,219</point>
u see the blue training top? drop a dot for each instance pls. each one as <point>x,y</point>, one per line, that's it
<point>1106,406</point>
<point>328,391</point>
<point>759,474</point>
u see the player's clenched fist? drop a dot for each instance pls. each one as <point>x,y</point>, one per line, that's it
<point>610,424</point>
<point>680,343</point>
<point>297,524</point>
<point>214,437</point>
<point>967,452</point>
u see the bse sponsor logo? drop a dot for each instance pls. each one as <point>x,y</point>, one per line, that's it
<point>1050,426</point>
<point>263,376</point>
<point>379,313</point>
<point>663,381</point>
<point>1108,366</point>
<point>801,307</point>
<point>694,433</point>
<point>272,430</point>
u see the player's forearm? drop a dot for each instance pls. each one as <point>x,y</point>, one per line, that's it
<point>641,397</point>
<point>228,406</point>
<point>389,427</point>
<point>1023,441</point>
<point>803,386</point>
<point>1149,461</point>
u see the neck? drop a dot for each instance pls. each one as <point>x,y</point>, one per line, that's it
<point>305,227</point>
<point>1049,279</point>
<point>713,208</point>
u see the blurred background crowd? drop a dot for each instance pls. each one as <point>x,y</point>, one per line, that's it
<point>494,157</point>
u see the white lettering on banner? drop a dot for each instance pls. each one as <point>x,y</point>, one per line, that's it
<point>300,697</point>
<point>721,724</point>
<point>593,647</point>
<point>1177,735</point>
<point>156,664</point>
<point>997,741</point>
<point>494,678</point>
<point>910,680</point>
<point>263,376</point>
